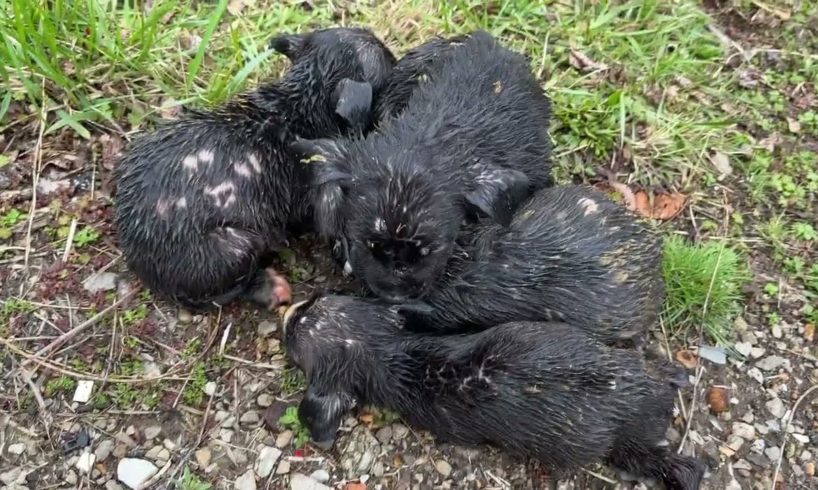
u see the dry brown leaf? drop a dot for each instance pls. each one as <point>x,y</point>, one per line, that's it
<point>367,418</point>
<point>717,399</point>
<point>809,332</point>
<point>687,359</point>
<point>582,62</point>
<point>663,207</point>
<point>355,486</point>
<point>111,150</point>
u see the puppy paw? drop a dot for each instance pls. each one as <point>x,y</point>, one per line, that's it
<point>282,293</point>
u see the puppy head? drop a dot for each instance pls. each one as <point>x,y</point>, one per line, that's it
<point>350,63</point>
<point>330,338</point>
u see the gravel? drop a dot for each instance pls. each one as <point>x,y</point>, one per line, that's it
<point>133,472</point>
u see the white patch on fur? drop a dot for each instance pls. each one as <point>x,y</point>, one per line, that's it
<point>243,170</point>
<point>206,156</point>
<point>347,268</point>
<point>380,224</point>
<point>349,341</point>
<point>254,162</point>
<point>181,203</point>
<point>223,194</point>
<point>162,207</point>
<point>590,206</point>
<point>191,162</point>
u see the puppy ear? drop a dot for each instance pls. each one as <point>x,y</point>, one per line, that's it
<point>498,193</point>
<point>353,102</point>
<point>288,44</point>
<point>321,412</point>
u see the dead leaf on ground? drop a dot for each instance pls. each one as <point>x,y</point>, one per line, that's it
<point>717,399</point>
<point>662,206</point>
<point>809,332</point>
<point>583,62</point>
<point>722,163</point>
<point>236,6</point>
<point>111,150</point>
<point>367,418</point>
<point>355,486</point>
<point>687,359</point>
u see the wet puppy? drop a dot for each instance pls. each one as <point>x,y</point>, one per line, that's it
<point>539,390</point>
<point>203,201</point>
<point>471,141</point>
<point>570,254</point>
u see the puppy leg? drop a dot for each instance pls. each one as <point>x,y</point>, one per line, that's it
<point>677,472</point>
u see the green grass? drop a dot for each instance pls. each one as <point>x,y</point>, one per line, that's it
<point>190,481</point>
<point>703,287</point>
<point>291,421</point>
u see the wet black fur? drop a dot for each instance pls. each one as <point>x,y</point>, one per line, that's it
<point>472,140</point>
<point>570,254</point>
<point>204,254</point>
<point>540,390</point>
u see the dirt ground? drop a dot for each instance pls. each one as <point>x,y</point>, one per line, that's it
<point>218,385</point>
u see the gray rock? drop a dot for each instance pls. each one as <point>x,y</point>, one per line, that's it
<point>772,452</point>
<point>134,472</point>
<point>104,449</point>
<point>86,463</point>
<point>203,457</point>
<point>152,432</point>
<point>284,438</point>
<point>16,449</point>
<point>210,388</point>
<point>384,434</point>
<point>266,461</point>
<point>264,400</point>
<point>771,363</point>
<point>756,374</point>
<point>184,316</point>
<point>745,431</point>
<point>443,467</point>
<point>103,281</point>
<point>399,431</point>
<point>299,481</point>
<point>758,352</point>
<point>321,476</point>
<point>249,417</point>
<point>247,481</point>
<point>266,328</point>
<point>715,355</point>
<point>71,478</point>
<point>377,469</point>
<point>744,348</point>
<point>153,453</point>
<point>164,455</point>
<point>283,468</point>
<point>112,485</point>
<point>777,332</point>
<point>359,451</point>
<point>776,407</point>
<point>742,464</point>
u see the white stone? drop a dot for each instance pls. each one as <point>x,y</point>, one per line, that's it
<point>210,388</point>
<point>773,453</point>
<point>443,467</point>
<point>776,407</point>
<point>86,462</point>
<point>83,392</point>
<point>152,432</point>
<point>303,482</point>
<point>744,348</point>
<point>756,374</point>
<point>134,472</point>
<point>104,449</point>
<point>715,355</point>
<point>771,363</point>
<point>266,461</point>
<point>745,431</point>
<point>266,328</point>
<point>321,476</point>
<point>103,281</point>
<point>247,481</point>
<point>17,449</point>
<point>264,400</point>
<point>284,438</point>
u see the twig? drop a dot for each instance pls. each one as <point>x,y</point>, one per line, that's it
<point>600,477</point>
<point>76,330</point>
<point>69,240</point>
<point>35,179</point>
<point>35,391</point>
<point>670,359</point>
<point>787,432</point>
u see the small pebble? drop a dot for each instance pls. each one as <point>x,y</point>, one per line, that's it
<point>772,452</point>
<point>104,449</point>
<point>443,467</point>
<point>264,400</point>
<point>16,449</point>
<point>164,455</point>
<point>809,468</point>
<point>776,407</point>
<point>249,417</point>
<point>284,438</point>
<point>713,354</point>
<point>756,374</point>
<point>777,332</point>
<point>266,461</point>
<point>184,316</point>
<point>744,348</point>
<point>299,481</point>
<point>71,478</point>
<point>771,363</point>
<point>384,434</point>
<point>321,476</point>
<point>247,481</point>
<point>266,328</point>
<point>210,388</point>
<point>283,468</point>
<point>399,431</point>
<point>152,432</point>
<point>203,457</point>
<point>226,435</point>
<point>113,485</point>
<point>86,462</point>
<point>745,431</point>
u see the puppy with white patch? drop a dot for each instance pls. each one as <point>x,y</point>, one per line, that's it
<point>570,254</point>
<point>545,390</point>
<point>471,140</point>
<point>204,201</point>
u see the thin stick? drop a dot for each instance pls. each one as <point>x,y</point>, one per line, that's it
<point>787,433</point>
<point>70,240</point>
<point>600,477</point>
<point>35,179</point>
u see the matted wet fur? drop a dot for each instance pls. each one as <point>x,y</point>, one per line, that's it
<point>570,254</point>
<point>471,141</point>
<point>203,201</point>
<point>541,390</point>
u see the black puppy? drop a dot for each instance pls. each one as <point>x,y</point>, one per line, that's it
<point>203,201</point>
<point>540,390</point>
<point>473,137</point>
<point>570,254</point>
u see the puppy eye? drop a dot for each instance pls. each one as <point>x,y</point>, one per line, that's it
<point>370,244</point>
<point>424,251</point>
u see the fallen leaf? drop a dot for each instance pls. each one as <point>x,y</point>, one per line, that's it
<point>582,62</point>
<point>717,399</point>
<point>722,163</point>
<point>809,332</point>
<point>355,486</point>
<point>793,125</point>
<point>663,207</point>
<point>236,6</point>
<point>111,150</point>
<point>367,418</point>
<point>687,359</point>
